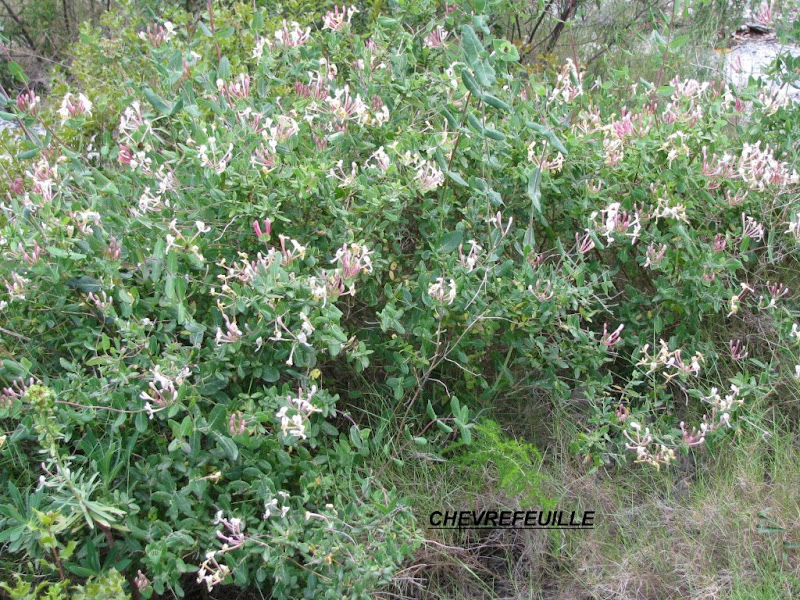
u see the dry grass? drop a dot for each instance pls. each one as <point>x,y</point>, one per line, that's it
<point>692,532</point>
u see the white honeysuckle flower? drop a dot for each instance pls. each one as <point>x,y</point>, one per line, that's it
<point>443,290</point>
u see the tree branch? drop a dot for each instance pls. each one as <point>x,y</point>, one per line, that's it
<point>20,24</point>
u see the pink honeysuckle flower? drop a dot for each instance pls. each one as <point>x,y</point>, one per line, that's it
<point>336,19</point>
<point>28,102</point>
<point>262,232</point>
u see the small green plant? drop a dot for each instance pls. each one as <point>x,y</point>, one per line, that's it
<point>108,586</point>
<point>518,465</point>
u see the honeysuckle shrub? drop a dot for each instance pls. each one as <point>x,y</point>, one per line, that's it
<point>248,265</point>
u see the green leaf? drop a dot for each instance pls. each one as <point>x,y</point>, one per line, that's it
<point>257,24</point>
<point>769,529</point>
<point>466,434</point>
<point>529,239</point>
<point>451,241</point>
<point>28,154</point>
<point>679,42</point>
<point>470,44</point>
<point>451,120</point>
<point>431,412</point>
<point>494,134</point>
<point>140,422</point>
<point>457,178</point>
<point>484,73</point>
<point>657,38</point>
<point>549,136</point>
<point>17,71</point>
<point>85,284</point>
<point>228,446</point>
<point>355,437</point>
<point>495,102</point>
<point>470,83</point>
<point>534,190</point>
<point>100,360</point>
<point>270,374</point>
<point>224,69</point>
<point>444,427</point>
<point>216,419</point>
<point>176,107</point>
<point>57,252</point>
<point>157,101</point>
<point>475,123</point>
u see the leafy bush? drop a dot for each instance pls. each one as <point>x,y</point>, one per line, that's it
<point>255,244</point>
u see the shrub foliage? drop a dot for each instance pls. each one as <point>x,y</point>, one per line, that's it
<point>249,262</point>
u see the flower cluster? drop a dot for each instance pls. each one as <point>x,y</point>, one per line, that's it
<point>214,158</point>
<point>231,334</point>
<point>16,288</point>
<point>44,176</point>
<point>263,158</point>
<point>238,89</point>
<point>345,179</point>
<point>670,361</point>
<point>280,130</point>
<point>721,407</point>
<point>381,160</point>
<point>718,170</point>
<point>752,228</point>
<point>615,221</point>
<point>687,101</point>
<point>300,338</point>
<point>158,34</point>
<point>794,227</point>
<point>341,109</point>
<point>231,533</point>
<point>336,19</point>
<point>291,35</point>
<point>436,38</point>
<point>429,176</point>
<point>569,84</point>
<point>470,260</point>
<point>131,121</point>
<point>271,507</point>
<point>654,255</point>
<point>443,290</point>
<point>163,390</point>
<point>135,160</point>
<point>74,107</point>
<point>544,163</point>
<point>301,410</point>
<point>647,450</point>
<point>211,572</point>
<point>18,389</point>
<point>352,259</point>
<point>29,102</point>
<point>759,168</point>
<point>611,338</point>
<point>543,290</point>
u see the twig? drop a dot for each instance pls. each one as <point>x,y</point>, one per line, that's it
<point>20,24</point>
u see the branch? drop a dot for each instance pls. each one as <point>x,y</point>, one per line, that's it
<point>20,24</point>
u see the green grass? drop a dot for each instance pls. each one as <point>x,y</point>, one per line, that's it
<point>691,531</point>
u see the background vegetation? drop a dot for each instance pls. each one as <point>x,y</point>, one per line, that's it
<point>280,280</point>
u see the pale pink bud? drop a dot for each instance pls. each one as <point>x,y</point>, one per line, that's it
<point>267,228</point>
